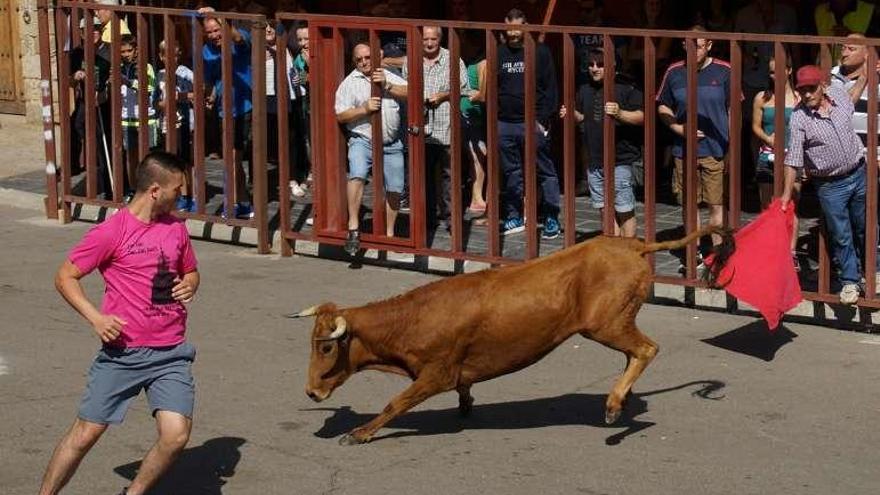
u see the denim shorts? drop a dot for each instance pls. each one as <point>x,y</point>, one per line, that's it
<point>118,375</point>
<point>360,161</point>
<point>624,199</point>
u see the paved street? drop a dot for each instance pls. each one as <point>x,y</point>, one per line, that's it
<point>725,407</point>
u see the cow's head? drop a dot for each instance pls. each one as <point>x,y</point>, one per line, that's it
<point>329,365</point>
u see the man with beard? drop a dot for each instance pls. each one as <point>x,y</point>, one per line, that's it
<point>852,75</point>
<point>512,128</point>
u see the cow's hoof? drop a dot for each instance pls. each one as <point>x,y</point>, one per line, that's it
<point>352,439</point>
<point>466,407</point>
<point>348,439</point>
<point>611,417</point>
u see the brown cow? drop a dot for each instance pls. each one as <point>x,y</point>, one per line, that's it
<point>458,331</point>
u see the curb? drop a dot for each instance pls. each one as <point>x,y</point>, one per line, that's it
<point>808,312</point>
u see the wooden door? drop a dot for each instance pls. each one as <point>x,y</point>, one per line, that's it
<point>11,80</point>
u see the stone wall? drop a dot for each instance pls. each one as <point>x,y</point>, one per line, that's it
<point>30,58</point>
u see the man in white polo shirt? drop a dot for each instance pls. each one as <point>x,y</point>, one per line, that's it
<point>354,107</point>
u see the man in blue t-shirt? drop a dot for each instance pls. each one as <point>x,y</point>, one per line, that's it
<point>241,97</point>
<point>713,96</point>
<point>512,128</point>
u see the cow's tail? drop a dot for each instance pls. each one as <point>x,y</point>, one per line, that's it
<point>720,254</point>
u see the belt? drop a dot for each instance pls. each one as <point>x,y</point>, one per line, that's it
<point>832,178</point>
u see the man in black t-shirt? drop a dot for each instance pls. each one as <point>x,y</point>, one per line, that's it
<point>627,112</point>
<point>512,129</point>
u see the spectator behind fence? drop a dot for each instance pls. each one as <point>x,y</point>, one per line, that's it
<point>713,95</point>
<point>301,174</point>
<point>473,127</point>
<point>852,75</point>
<point>628,113</point>
<point>436,65</point>
<point>824,144</point>
<point>131,129</point>
<point>76,97</point>
<point>512,128</point>
<point>354,108</point>
<point>150,272</point>
<point>845,17</point>
<point>105,16</point>
<point>184,118</point>
<point>273,51</point>
<point>241,99</point>
<point>764,129</point>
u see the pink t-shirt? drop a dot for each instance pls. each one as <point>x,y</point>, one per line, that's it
<point>139,262</point>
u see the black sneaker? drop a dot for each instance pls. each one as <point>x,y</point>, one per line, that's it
<point>353,242</point>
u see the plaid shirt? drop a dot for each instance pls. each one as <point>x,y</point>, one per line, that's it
<point>825,146</point>
<point>436,80</point>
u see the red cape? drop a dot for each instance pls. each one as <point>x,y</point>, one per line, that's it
<point>760,272</point>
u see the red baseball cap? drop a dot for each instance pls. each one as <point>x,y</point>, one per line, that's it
<point>809,75</point>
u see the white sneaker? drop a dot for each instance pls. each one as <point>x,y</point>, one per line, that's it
<point>849,294</point>
<point>310,221</point>
<point>296,189</point>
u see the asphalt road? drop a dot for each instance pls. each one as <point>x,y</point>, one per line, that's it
<point>725,407</point>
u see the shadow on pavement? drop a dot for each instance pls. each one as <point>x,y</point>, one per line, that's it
<point>754,340</point>
<point>199,470</point>
<point>568,409</point>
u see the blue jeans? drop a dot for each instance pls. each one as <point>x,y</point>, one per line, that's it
<point>360,161</point>
<point>512,138</point>
<point>624,198</point>
<point>843,204</point>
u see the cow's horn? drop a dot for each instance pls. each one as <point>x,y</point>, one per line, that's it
<point>306,312</point>
<point>341,327</point>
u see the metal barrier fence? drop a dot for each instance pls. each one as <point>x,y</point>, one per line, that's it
<point>329,44</point>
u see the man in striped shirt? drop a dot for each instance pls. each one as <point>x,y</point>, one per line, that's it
<point>438,123</point>
<point>824,144</point>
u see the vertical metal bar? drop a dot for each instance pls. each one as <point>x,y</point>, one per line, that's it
<point>377,143</point>
<point>228,119</point>
<point>492,172</point>
<point>871,203</point>
<point>418,175</point>
<point>824,260</point>
<point>143,86</point>
<point>115,162</point>
<point>282,94</point>
<point>91,114</point>
<point>609,142</point>
<point>650,152</point>
<point>48,114</point>
<point>170,39</point>
<point>455,137</point>
<point>198,144</point>
<point>258,137</point>
<point>530,175</point>
<point>568,138</point>
<point>64,91</point>
<point>780,84</point>
<point>736,129</point>
<point>691,213</point>
<point>327,67</point>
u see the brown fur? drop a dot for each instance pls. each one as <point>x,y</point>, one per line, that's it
<point>452,333</point>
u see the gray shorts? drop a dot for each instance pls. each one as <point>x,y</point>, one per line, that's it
<point>118,375</point>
